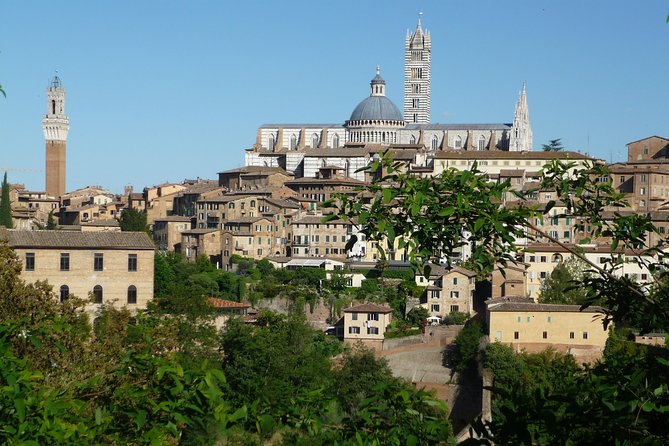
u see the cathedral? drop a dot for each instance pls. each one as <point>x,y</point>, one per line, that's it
<point>302,149</point>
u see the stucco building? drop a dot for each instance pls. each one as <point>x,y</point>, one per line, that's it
<point>112,266</point>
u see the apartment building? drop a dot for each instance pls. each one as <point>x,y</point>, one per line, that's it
<point>448,291</point>
<point>167,231</point>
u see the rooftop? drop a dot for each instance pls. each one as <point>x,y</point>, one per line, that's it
<point>76,240</point>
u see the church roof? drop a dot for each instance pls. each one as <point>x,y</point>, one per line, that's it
<point>492,126</point>
<point>376,108</point>
<point>300,126</point>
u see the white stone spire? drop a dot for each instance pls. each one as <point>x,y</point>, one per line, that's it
<point>521,132</point>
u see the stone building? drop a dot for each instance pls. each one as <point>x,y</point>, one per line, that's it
<point>111,266</point>
<point>448,291</point>
<point>167,231</point>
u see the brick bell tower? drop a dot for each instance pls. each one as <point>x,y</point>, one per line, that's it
<point>56,125</point>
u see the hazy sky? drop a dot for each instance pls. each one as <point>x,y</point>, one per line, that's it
<point>166,90</point>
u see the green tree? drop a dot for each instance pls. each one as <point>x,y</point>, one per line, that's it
<point>554,145</point>
<point>133,220</point>
<point>417,316</point>
<point>564,284</point>
<point>5,205</point>
<point>465,349</point>
<point>431,216</point>
<point>51,222</point>
<point>274,362</point>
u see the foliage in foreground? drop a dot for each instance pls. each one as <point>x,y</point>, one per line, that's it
<point>144,380</point>
<point>433,217</point>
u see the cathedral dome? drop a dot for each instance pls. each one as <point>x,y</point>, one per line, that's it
<point>376,108</point>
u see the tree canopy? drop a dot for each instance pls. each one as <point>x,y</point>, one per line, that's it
<point>133,220</point>
<point>434,216</point>
<point>554,145</point>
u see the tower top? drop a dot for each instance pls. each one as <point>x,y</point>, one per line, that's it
<point>56,83</point>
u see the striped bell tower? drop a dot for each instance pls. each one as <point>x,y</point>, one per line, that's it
<point>417,67</point>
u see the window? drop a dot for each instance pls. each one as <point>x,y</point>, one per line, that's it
<point>335,141</point>
<point>481,142</point>
<point>30,261</point>
<point>354,316</point>
<point>585,335</point>
<point>455,280</point>
<point>622,178</point>
<point>435,294</point>
<point>455,308</point>
<point>132,295</point>
<point>458,142</point>
<point>642,191</point>
<point>293,142</point>
<point>455,294</point>
<point>435,308</point>
<point>372,316</point>
<point>98,262</point>
<point>64,293</point>
<point>132,262</point>
<point>97,294</point>
<point>519,319</point>
<point>354,330</point>
<point>314,141</point>
<point>545,335</point>
<point>516,335</point>
<point>64,261</point>
<point>643,178</point>
<point>373,330</point>
<point>550,319</point>
<point>571,335</point>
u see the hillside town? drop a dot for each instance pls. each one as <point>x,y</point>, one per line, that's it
<point>283,208</point>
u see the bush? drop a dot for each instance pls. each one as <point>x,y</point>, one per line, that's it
<point>466,347</point>
<point>391,334</point>
<point>455,318</point>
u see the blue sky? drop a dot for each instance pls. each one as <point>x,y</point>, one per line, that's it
<point>166,90</point>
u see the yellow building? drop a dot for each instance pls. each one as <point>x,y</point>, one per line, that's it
<point>366,323</point>
<point>534,327</point>
<point>113,266</point>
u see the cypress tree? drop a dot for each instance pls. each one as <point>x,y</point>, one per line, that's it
<point>5,206</point>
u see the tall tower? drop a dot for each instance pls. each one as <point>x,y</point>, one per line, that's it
<point>521,133</point>
<point>56,125</point>
<point>417,62</point>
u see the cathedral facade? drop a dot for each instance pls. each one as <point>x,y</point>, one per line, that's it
<point>377,123</point>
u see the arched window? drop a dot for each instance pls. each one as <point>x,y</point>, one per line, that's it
<point>253,203</point>
<point>293,142</point>
<point>314,141</point>
<point>413,140</point>
<point>132,295</point>
<point>557,258</point>
<point>481,142</point>
<point>231,205</point>
<point>458,142</point>
<point>335,141</point>
<point>435,143</point>
<point>271,142</point>
<point>53,107</point>
<point>64,293</point>
<point>97,294</point>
